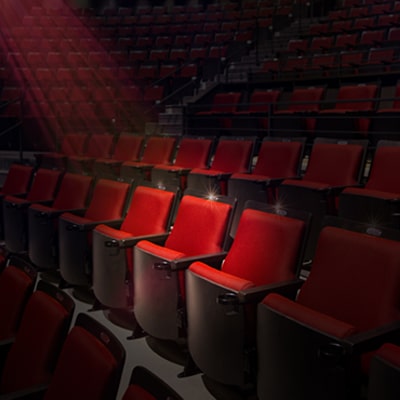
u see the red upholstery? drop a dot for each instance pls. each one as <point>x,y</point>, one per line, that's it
<point>17,180</point>
<point>135,392</point>
<point>223,103</point>
<point>84,370</point>
<point>15,288</point>
<point>128,147</point>
<point>333,164</point>
<point>304,99</point>
<point>32,357</point>
<point>390,353</point>
<point>351,255</point>
<point>74,144</point>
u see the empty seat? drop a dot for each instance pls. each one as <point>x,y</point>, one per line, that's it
<point>145,384</point>
<point>350,116</point>
<point>17,281</point>
<point>149,217</point>
<point>277,159</point>
<point>107,205</point>
<point>157,150</point>
<point>232,154</point>
<point>222,299</point>
<point>72,196</point>
<point>16,183</point>
<point>256,117</point>
<point>316,345</point>
<point>43,190</point>
<point>192,152</point>
<point>32,356</point>
<point>377,202</point>
<point>158,277</point>
<point>384,372</point>
<point>92,358</point>
<point>127,148</point>
<point>294,117</point>
<point>333,165</point>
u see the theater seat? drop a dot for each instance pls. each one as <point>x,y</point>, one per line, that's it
<point>377,202</point>
<point>17,282</point>
<point>333,165</point>
<point>72,196</point>
<point>158,278</point>
<point>277,159</point>
<point>107,206</point>
<point>232,154</point>
<point>265,256</point>
<point>319,346</point>
<point>149,217</point>
<point>145,385</point>
<point>89,366</point>
<point>384,373</point>
<point>43,190</point>
<point>30,359</point>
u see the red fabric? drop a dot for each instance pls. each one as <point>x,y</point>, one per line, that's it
<point>15,284</point>
<point>84,369</point>
<point>383,175</point>
<point>135,392</point>
<point>32,357</point>
<point>308,316</point>
<point>128,147</point>
<point>355,278</point>
<point>17,179</point>
<point>159,251</point>
<point>100,146</point>
<point>73,144</point>
<point>266,248</point>
<point>73,192</point>
<point>225,280</point>
<point>371,193</point>
<point>44,185</point>
<point>307,184</point>
<point>200,226</point>
<point>390,353</point>
<point>334,164</point>
<point>108,200</point>
<point>158,150</point>
<point>193,153</point>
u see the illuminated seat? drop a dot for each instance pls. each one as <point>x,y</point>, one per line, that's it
<point>320,344</point>
<point>222,299</point>
<point>158,278</point>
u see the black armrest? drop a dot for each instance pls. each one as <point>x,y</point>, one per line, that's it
<point>184,263</point>
<point>131,242</point>
<point>88,226</point>
<point>256,294</point>
<point>56,213</point>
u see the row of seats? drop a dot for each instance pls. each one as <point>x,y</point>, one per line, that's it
<point>349,111</point>
<point>88,353</point>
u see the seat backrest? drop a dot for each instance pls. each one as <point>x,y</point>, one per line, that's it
<point>350,271</point>
<point>279,159</point>
<point>144,385</point>
<point>335,164</point>
<point>263,100</point>
<point>356,97</point>
<point>40,336</point>
<point>18,179</point>
<point>44,185</point>
<point>90,363</point>
<point>225,102</point>
<point>193,233</point>
<point>306,99</point>
<point>233,155</point>
<point>73,192</point>
<point>17,281</point>
<point>267,247</point>
<point>108,200</point>
<point>128,147</point>
<point>158,149</point>
<point>74,144</point>
<point>193,152</point>
<point>99,145</point>
<point>383,174</point>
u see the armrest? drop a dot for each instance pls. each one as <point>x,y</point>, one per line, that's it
<point>88,226</point>
<point>185,262</point>
<point>180,171</point>
<point>256,294</point>
<point>131,241</point>
<point>34,393</point>
<point>56,213</point>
